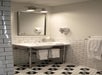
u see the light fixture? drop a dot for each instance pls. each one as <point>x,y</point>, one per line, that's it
<point>43,10</point>
<point>39,10</point>
<point>31,9</point>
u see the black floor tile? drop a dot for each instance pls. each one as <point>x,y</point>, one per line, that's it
<point>15,65</point>
<point>20,68</point>
<point>31,72</point>
<point>49,72</point>
<point>25,65</point>
<point>16,72</point>
<point>47,60</point>
<point>99,72</point>
<point>69,69</point>
<point>45,63</point>
<point>37,69</point>
<point>56,65</point>
<point>41,65</point>
<point>67,73</point>
<point>70,66</point>
<point>84,69</point>
<point>53,69</point>
<point>33,62</point>
<point>84,73</point>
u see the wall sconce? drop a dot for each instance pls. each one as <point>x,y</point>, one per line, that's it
<point>44,10</point>
<point>32,9</point>
<point>64,30</point>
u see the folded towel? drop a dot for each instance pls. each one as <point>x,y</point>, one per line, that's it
<point>94,49</point>
<point>43,54</point>
<point>55,53</point>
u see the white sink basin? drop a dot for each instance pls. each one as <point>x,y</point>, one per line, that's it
<point>42,44</point>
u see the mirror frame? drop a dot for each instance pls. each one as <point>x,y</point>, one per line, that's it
<point>31,35</point>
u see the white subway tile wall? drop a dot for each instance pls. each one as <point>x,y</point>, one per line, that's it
<point>6,57</point>
<point>27,39</point>
<point>77,54</point>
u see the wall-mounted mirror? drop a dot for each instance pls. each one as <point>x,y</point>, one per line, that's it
<point>31,24</point>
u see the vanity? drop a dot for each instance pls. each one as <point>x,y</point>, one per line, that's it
<point>34,24</point>
<point>35,47</point>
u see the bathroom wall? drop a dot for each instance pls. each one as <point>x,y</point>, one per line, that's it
<point>84,19</point>
<point>6,56</point>
<point>20,7</point>
<point>19,54</point>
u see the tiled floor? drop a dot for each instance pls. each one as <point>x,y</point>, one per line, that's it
<point>56,69</point>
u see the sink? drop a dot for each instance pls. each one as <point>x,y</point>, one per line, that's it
<point>41,44</point>
<point>47,44</point>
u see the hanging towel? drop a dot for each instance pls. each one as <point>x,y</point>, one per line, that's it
<point>43,54</point>
<point>55,53</point>
<point>94,48</point>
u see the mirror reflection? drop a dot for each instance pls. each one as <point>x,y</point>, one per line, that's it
<point>31,24</point>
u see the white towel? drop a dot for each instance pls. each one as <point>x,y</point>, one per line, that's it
<point>55,53</point>
<point>94,48</point>
<point>43,54</point>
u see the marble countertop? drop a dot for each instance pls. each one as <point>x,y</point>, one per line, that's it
<point>41,44</point>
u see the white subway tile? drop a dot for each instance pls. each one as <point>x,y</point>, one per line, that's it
<point>0,3</point>
<point>1,68</point>
<point>10,65</point>
<point>0,22</point>
<point>6,0</point>
<point>6,18</point>
<point>5,54</point>
<point>2,58</point>
<point>5,45</point>
<point>0,12</point>
<point>8,49</point>
<point>7,13</point>
<point>1,32</point>
<point>9,57</point>
<point>8,31</point>
<point>9,62</point>
<point>9,69</point>
<point>8,53</point>
<point>1,50</point>
<point>6,41</point>
<point>2,36</point>
<point>8,27</point>
<point>1,71</point>
<point>1,41</point>
<point>7,22</point>
<point>2,54</point>
<point>11,73</point>
<point>6,3</point>
<point>4,8</point>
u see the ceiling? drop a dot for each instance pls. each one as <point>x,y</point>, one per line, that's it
<point>50,2</point>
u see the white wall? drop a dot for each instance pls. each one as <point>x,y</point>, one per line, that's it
<point>20,7</point>
<point>84,19</point>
